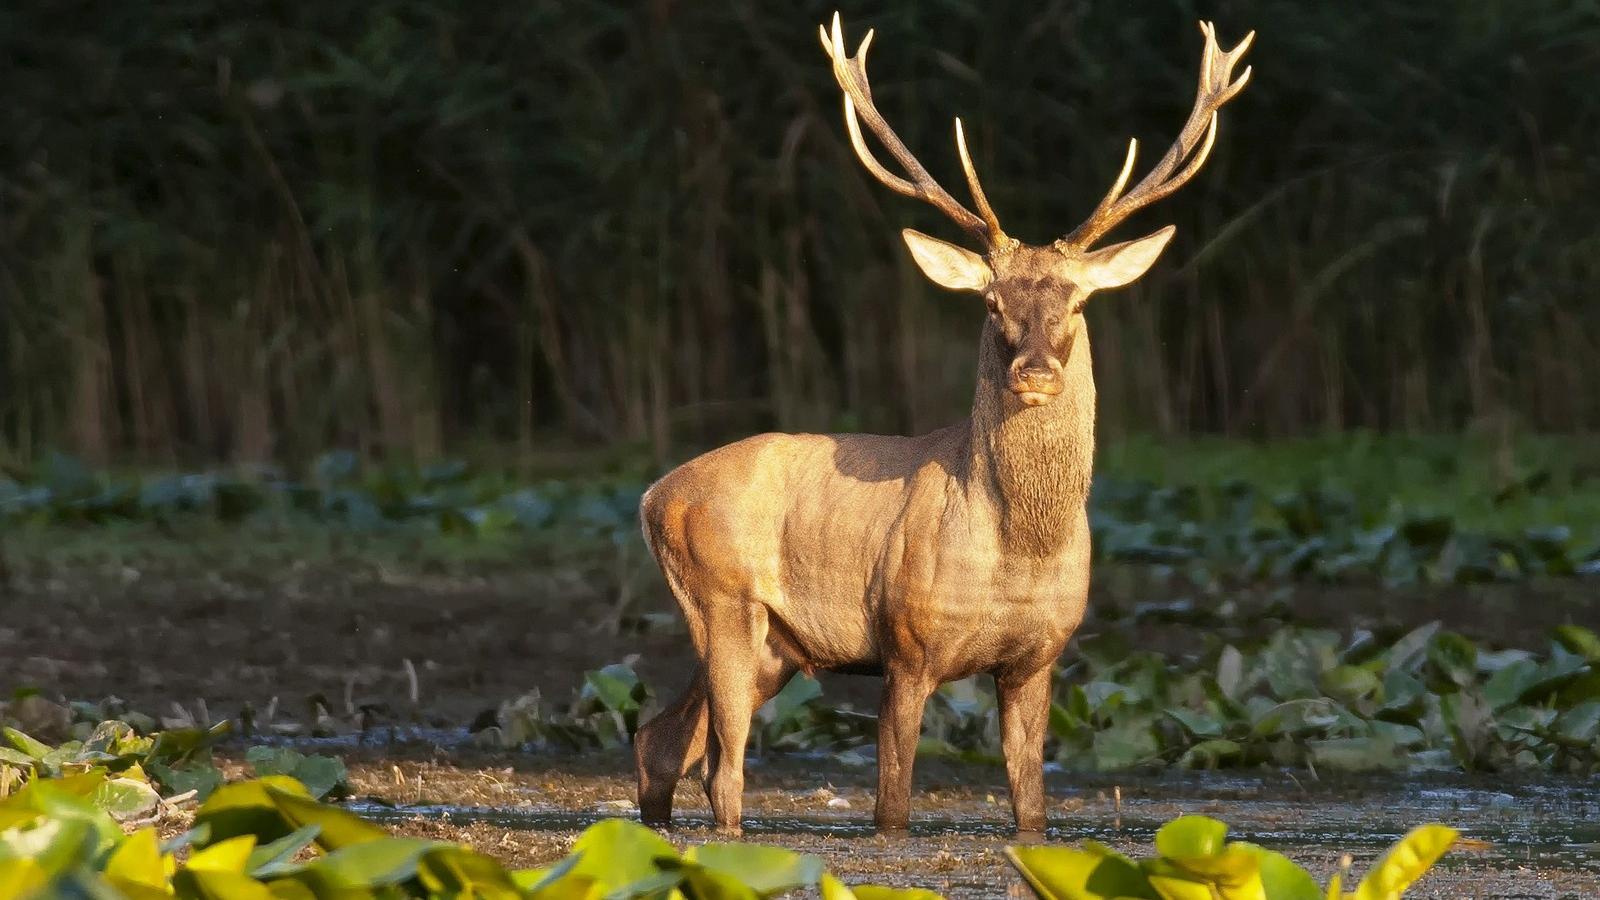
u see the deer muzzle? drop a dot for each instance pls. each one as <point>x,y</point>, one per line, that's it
<point>1034,381</point>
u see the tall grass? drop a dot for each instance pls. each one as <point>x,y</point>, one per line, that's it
<point>248,231</point>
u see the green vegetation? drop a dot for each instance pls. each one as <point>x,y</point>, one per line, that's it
<point>142,764</point>
<point>1310,699</point>
<point>1196,862</point>
<point>409,227</point>
<point>270,838</point>
<point>1396,510</point>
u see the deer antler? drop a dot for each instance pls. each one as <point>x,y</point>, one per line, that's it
<point>851,73</point>
<point>1216,88</point>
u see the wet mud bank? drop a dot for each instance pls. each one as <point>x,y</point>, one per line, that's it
<point>1530,839</point>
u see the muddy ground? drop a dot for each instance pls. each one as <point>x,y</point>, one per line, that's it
<point>187,618</point>
<point>1530,840</point>
<point>192,620</point>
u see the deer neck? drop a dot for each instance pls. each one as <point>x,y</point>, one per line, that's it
<point>1031,465</point>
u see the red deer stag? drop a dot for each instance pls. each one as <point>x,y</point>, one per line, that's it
<point>928,558</point>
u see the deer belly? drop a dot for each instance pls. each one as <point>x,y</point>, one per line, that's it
<point>964,630</point>
<point>820,635</point>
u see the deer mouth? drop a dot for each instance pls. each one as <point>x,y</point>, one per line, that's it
<point>1035,395</point>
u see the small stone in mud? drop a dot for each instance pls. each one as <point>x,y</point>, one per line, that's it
<point>838,803</point>
<point>614,804</point>
<point>822,793</point>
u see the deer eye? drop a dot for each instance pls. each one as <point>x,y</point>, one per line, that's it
<point>1054,321</point>
<point>993,302</point>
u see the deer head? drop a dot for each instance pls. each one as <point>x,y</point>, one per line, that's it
<point>1036,294</point>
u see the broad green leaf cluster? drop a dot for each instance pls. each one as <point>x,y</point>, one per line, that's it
<point>603,714</point>
<point>139,768</point>
<point>269,838</point>
<point>442,498</point>
<point>1230,531</point>
<point>1309,698</point>
<point>1430,700</point>
<point>1195,861</point>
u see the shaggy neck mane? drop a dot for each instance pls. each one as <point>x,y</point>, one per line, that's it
<point>1033,464</point>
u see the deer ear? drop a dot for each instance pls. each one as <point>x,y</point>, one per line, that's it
<point>947,265</point>
<point>1122,264</point>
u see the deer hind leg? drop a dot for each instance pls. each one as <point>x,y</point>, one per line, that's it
<point>667,747</point>
<point>743,671</point>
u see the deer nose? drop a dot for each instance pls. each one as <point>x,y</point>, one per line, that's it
<point>1033,376</point>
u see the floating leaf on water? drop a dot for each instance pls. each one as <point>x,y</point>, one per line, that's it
<point>463,872</point>
<point>126,798</point>
<point>1579,641</point>
<point>1584,687</point>
<point>1196,723</point>
<point>33,749</point>
<point>1350,684</point>
<point>1453,658</point>
<point>1063,873</point>
<point>616,853</point>
<point>246,808</point>
<point>1408,653</point>
<point>1581,724</point>
<point>1398,734</point>
<point>1405,862</point>
<point>1230,671</point>
<point>1125,745</point>
<point>202,778</point>
<point>1191,836</point>
<point>1467,717</point>
<point>136,866</point>
<point>337,829</point>
<point>1281,878</point>
<point>1356,754</point>
<point>1212,754</point>
<point>368,864</point>
<point>765,870</point>
<point>231,855</point>
<point>319,774</point>
<point>273,859</point>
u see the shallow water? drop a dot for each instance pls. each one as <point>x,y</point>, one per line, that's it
<point>1543,838</point>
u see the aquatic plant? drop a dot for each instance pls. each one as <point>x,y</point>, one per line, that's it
<point>269,838</point>
<point>1542,523</point>
<point>1195,861</point>
<point>1313,699</point>
<point>142,766</point>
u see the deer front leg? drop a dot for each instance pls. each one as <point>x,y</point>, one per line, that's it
<point>899,727</point>
<point>1024,716</point>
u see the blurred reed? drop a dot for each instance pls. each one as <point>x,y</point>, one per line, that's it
<point>251,231</point>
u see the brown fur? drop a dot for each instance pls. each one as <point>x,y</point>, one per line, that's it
<point>933,558</point>
<point>927,558</point>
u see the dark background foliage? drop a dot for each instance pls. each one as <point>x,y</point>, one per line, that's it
<point>251,230</point>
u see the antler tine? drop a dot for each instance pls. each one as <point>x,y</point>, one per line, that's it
<point>1187,153</point>
<point>978,196</point>
<point>851,74</point>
